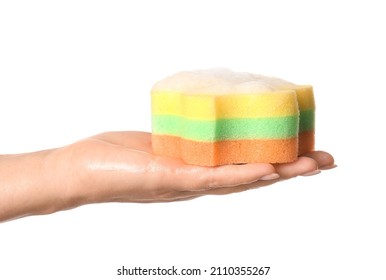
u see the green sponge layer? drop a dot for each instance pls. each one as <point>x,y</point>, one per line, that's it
<point>307,120</point>
<point>226,129</point>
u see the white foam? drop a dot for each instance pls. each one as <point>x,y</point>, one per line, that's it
<point>220,81</point>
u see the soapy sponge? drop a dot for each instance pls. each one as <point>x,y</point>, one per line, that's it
<point>215,117</point>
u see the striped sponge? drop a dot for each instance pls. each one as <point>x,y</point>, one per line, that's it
<point>215,117</point>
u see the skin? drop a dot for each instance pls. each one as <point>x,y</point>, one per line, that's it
<point>120,167</point>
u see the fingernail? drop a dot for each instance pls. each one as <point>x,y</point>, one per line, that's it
<point>272,176</point>
<point>328,166</point>
<point>317,171</point>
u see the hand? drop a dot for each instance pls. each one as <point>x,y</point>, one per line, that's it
<point>120,167</point>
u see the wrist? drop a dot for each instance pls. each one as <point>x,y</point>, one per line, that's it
<point>24,188</point>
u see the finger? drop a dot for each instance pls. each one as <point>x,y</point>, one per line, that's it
<point>229,190</point>
<point>235,189</point>
<point>137,140</point>
<point>303,166</point>
<point>324,160</point>
<point>186,197</point>
<point>197,178</point>
<point>189,195</point>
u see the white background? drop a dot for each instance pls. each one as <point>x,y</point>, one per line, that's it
<point>71,69</point>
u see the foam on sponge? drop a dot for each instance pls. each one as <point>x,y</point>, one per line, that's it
<point>217,116</point>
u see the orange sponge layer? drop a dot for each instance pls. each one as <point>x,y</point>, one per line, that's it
<point>237,151</point>
<point>306,142</point>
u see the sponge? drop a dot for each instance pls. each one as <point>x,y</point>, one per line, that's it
<point>217,116</point>
<point>305,96</point>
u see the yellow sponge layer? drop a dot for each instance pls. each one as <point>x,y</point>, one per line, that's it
<point>211,107</point>
<point>305,95</point>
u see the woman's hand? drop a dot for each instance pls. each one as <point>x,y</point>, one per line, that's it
<point>120,166</point>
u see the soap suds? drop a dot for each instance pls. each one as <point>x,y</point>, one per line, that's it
<point>220,81</point>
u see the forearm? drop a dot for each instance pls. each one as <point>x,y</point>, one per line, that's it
<point>24,186</point>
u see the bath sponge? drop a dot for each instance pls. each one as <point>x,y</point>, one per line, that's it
<point>217,116</point>
<point>306,102</point>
